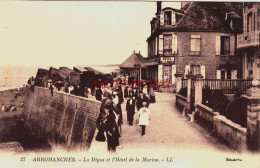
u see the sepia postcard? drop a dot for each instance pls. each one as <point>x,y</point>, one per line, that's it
<point>145,84</point>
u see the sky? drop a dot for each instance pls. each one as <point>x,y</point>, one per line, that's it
<point>71,33</point>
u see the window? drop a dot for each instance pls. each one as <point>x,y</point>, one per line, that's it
<point>225,45</point>
<point>167,44</point>
<point>250,22</point>
<point>168,18</point>
<point>195,44</point>
<point>223,74</point>
<point>195,69</point>
<point>227,74</point>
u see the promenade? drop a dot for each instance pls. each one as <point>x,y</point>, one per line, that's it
<point>167,129</point>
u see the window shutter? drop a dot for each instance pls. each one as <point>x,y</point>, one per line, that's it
<point>162,18</point>
<point>161,44</point>
<point>218,74</point>
<point>156,46</point>
<point>174,44</point>
<point>245,23</point>
<point>187,69</point>
<point>203,71</point>
<point>160,72</point>
<point>217,45</point>
<point>234,74</point>
<point>232,45</point>
<point>173,18</point>
<point>173,73</point>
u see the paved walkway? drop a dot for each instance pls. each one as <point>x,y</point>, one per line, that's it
<point>167,129</point>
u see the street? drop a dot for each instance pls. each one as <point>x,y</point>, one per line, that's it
<point>167,129</point>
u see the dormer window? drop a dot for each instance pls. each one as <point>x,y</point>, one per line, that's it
<point>168,18</point>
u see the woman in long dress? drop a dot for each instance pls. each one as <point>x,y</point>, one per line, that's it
<point>112,130</point>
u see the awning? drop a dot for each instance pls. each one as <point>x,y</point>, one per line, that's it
<point>148,64</point>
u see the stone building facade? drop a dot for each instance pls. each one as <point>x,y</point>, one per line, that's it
<point>200,38</point>
<point>248,41</point>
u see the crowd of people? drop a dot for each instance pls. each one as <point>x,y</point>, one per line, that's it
<point>110,118</point>
<point>137,94</point>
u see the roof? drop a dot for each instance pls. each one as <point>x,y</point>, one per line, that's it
<point>96,72</point>
<point>55,74</point>
<point>131,61</point>
<point>42,73</point>
<point>169,8</point>
<point>208,16</point>
<point>232,15</point>
<point>53,70</point>
<point>79,69</point>
<point>64,72</point>
<point>66,69</point>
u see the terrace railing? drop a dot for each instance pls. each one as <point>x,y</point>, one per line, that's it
<point>227,86</point>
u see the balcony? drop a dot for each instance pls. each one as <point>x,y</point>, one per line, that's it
<point>249,39</point>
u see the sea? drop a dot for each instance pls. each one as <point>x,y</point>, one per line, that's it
<point>13,76</point>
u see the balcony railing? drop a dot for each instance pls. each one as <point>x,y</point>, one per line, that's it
<point>249,39</point>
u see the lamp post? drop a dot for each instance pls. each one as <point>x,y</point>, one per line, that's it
<point>138,68</point>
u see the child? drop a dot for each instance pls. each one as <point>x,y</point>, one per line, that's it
<point>144,117</point>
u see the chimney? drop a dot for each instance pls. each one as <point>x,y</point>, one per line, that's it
<point>159,6</point>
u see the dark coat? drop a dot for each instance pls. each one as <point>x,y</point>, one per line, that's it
<point>130,108</point>
<point>125,92</point>
<point>120,94</point>
<point>112,132</point>
<point>99,94</point>
<point>139,102</point>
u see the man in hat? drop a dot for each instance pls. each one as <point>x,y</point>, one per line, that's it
<point>108,121</point>
<point>144,117</point>
<point>139,101</point>
<point>130,108</point>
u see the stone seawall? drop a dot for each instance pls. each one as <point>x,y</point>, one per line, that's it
<point>10,127</point>
<point>62,120</point>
